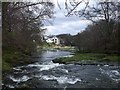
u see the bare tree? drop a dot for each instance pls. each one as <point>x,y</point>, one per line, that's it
<point>105,16</point>
<point>22,23</point>
<point>98,10</point>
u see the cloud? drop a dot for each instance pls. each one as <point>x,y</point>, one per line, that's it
<point>65,25</point>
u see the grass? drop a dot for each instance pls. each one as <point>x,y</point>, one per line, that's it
<point>11,59</point>
<point>112,57</point>
<point>6,66</point>
<point>88,56</point>
<point>60,47</point>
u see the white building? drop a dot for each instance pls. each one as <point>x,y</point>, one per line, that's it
<point>52,39</point>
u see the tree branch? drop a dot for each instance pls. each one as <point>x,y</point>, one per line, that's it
<point>74,8</point>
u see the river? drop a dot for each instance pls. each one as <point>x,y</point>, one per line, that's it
<point>46,74</point>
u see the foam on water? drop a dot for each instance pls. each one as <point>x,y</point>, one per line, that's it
<point>18,80</point>
<point>10,86</point>
<point>64,70</point>
<point>48,66</point>
<point>16,69</point>
<point>106,65</point>
<point>97,79</point>
<point>69,56</point>
<point>33,65</point>
<point>61,79</point>
<point>113,74</point>
<point>45,66</point>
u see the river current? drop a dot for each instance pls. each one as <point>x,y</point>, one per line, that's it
<point>46,74</point>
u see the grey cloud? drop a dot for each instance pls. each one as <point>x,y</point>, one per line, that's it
<point>62,25</point>
<point>72,27</point>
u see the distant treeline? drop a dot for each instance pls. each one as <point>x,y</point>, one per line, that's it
<point>97,37</point>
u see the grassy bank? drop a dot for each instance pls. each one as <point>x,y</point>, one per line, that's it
<point>88,56</point>
<point>11,59</point>
<point>47,46</point>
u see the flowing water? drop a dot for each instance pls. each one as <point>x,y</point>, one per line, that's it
<point>46,74</point>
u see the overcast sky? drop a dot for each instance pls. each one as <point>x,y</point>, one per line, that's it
<point>65,25</point>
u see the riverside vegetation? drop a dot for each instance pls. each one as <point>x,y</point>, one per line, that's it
<point>22,31</point>
<point>88,58</point>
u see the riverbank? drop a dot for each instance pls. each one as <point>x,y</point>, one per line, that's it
<point>11,59</point>
<point>88,58</point>
<point>47,46</point>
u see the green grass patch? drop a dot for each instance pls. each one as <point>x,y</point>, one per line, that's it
<point>11,59</point>
<point>88,56</point>
<point>6,66</point>
<point>112,57</point>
